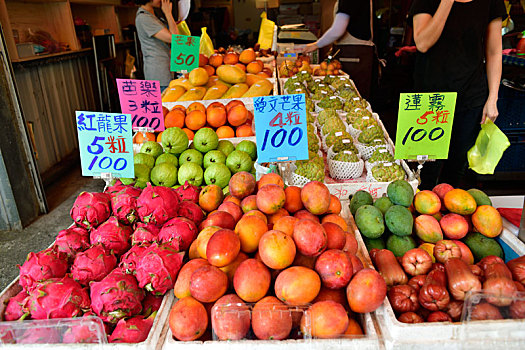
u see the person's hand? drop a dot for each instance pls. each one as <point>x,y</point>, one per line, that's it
<point>490,110</point>
<point>310,47</point>
<point>166,7</point>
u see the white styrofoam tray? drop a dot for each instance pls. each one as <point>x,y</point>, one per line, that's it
<point>440,335</point>
<point>150,343</point>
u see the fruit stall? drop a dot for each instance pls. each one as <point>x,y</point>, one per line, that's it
<point>206,246</point>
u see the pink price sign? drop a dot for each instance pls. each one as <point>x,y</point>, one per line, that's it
<point>142,100</point>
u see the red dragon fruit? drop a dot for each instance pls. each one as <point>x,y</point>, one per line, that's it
<point>128,261</point>
<point>89,329</point>
<point>57,298</point>
<point>113,235</point>
<point>116,296</point>
<point>116,187</point>
<point>41,266</point>
<point>93,264</point>
<point>132,330</point>
<point>42,335</point>
<point>14,309</point>
<point>158,267</point>
<point>72,240</point>
<point>188,192</point>
<point>91,209</point>
<point>145,233</point>
<point>191,211</point>
<point>151,304</point>
<point>179,232</point>
<point>158,204</point>
<point>124,204</point>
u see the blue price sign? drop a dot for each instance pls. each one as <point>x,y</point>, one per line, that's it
<point>280,128</point>
<point>106,144</point>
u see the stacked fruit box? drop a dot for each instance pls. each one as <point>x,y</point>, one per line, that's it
<point>468,334</point>
<point>348,140</point>
<point>371,339</point>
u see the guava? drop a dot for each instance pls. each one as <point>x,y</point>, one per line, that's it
<point>239,161</point>
<point>142,173</point>
<point>217,174</point>
<point>152,148</point>
<point>214,157</point>
<point>174,140</point>
<point>248,147</point>
<point>205,140</point>
<point>164,174</point>
<point>226,147</point>
<point>192,173</point>
<point>143,158</point>
<point>167,158</point>
<point>191,155</point>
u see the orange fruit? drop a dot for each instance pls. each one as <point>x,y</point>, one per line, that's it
<point>189,133</point>
<point>244,131</point>
<point>139,138</point>
<point>216,116</point>
<point>174,118</point>
<point>354,329</point>
<point>209,69</point>
<point>232,104</point>
<point>225,132</point>
<point>238,115</point>
<point>195,119</point>
<point>181,107</point>
<point>196,106</point>
<point>159,137</point>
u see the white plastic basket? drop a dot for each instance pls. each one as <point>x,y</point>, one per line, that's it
<point>345,170</point>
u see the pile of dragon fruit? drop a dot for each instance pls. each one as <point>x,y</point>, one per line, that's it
<point>116,262</point>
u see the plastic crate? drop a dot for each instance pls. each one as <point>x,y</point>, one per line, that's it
<point>511,112</point>
<point>512,159</point>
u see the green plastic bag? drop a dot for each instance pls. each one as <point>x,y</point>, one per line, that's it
<point>484,156</point>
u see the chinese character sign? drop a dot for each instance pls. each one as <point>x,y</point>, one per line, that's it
<point>142,100</point>
<point>280,128</point>
<point>424,125</point>
<point>184,52</point>
<point>106,144</point>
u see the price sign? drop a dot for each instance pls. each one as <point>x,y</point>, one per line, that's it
<point>184,52</point>
<point>424,125</point>
<point>280,128</point>
<point>142,100</point>
<point>106,144</point>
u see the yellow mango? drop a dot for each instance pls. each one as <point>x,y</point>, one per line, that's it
<point>252,79</point>
<point>184,82</point>
<point>261,88</point>
<point>193,94</point>
<point>224,83</point>
<point>215,92</point>
<point>172,94</point>
<point>236,91</point>
<point>231,74</point>
<point>198,76</point>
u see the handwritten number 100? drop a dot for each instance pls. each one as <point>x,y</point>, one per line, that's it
<point>420,134</point>
<point>106,162</point>
<point>142,122</point>
<point>279,137</point>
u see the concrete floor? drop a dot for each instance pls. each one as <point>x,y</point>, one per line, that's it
<point>15,245</point>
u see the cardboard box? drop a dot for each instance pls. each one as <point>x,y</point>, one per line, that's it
<point>289,9</point>
<point>287,19</point>
<point>305,9</point>
<point>271,4</point>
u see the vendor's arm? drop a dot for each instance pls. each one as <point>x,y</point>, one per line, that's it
<point>493,63</point>
<point>336,31</point>
<point>165,34</point>
<point>428,28</point>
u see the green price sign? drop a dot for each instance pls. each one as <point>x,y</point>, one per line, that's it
<point>184,52</point>
<point>424,125</point>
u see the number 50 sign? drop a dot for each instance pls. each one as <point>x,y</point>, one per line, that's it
<point>184,52</point>
<point>280,128</point>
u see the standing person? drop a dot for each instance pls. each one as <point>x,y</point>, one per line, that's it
<point>459,50</point>
<point>352,31</point>
<point>155,39</point>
